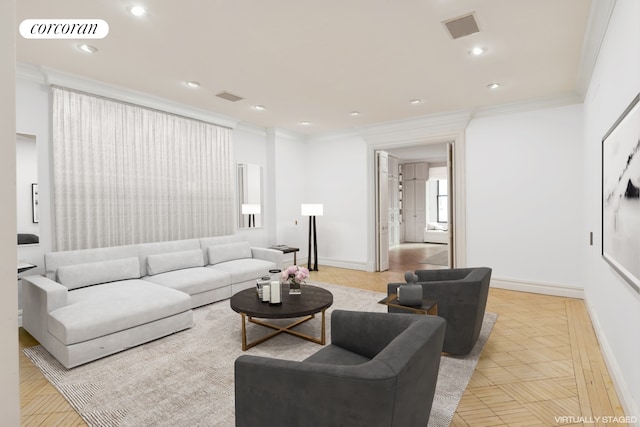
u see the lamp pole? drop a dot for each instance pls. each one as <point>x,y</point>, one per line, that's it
<point>312,226</point>
<point>312,210</point>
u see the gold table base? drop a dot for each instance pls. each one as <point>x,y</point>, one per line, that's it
<point>280,329</point>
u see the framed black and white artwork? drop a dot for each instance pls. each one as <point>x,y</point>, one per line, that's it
<point>621,195</point>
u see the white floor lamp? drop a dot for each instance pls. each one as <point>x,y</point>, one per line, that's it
<point>312,210</point>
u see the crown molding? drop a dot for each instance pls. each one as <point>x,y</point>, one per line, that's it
<point>529,105</point>
<point>599,17</point>
<point>435,127</point>
<point>28,136</point>
<point>443,127</point>
<point>333,136</point>
<point>50,76</point>
<point>30,73</point>
<point>278,133</point>
<point>252,129</point>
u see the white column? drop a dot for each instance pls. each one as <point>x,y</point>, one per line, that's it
<point>9,374</point>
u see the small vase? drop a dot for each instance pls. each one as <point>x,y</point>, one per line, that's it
<point>294,288</point>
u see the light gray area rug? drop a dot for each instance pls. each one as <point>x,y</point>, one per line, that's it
<point>187,378</point>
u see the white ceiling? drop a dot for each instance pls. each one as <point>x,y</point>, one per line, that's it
<point>317,61</point>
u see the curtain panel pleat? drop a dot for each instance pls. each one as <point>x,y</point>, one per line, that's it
<point>126,174</point>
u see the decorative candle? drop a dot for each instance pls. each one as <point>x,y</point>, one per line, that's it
<point>261,282</point>
<point>266,293</point>
<point>275,293</point>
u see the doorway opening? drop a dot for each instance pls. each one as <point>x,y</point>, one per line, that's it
<point>414,206</point>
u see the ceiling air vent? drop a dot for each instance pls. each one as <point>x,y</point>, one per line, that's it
<point>229,96</point>
<point>462,26</point>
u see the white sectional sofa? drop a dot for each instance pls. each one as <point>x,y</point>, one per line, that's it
<point>95,302</point>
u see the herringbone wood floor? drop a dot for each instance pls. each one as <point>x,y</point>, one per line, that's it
<point>542,365</point>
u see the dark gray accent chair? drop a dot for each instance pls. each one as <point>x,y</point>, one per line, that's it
<point>379,370</point>
<point>461,294</point>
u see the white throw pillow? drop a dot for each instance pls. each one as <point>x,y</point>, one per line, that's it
<point>94,273</point>
<point>161,263</point>
<point>229,252</point>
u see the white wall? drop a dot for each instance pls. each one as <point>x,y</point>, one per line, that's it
<point>614,306</point>
<point>337,176</point>
<point>524,201</point>
<point>9,391</point>
<point>33,117</point>
<point>288,174</point>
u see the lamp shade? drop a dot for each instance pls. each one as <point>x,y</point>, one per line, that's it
<point>311,209</point>
<point>250,208</point>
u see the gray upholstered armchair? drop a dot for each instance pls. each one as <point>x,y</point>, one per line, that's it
<point>379,370</point>
<point>461,294</point>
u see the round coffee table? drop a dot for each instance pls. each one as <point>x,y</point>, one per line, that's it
<point>306,305</point>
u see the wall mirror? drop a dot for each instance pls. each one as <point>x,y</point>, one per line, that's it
<point>27,200</point>
<point>249,182</point>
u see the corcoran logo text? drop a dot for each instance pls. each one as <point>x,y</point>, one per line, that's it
<point>64,29</point>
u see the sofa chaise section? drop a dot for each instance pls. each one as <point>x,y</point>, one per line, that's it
<point>95,309</point>
<point>131,303</point>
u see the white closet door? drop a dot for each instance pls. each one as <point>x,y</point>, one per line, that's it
<point>422,171</point>
<point>415,200</point>
<point>409,211</point>
<point>420,195</point>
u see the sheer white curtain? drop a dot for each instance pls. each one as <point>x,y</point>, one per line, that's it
<point>127,174</point>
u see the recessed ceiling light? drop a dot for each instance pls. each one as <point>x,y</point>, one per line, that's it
<point>355,113</point>
<point>305,123</point>
<point>493,85</point>
<point>477,51</point>
<point>192,84</point>
<point>138,11</point>
<point>259,107</point>
<point>87,48</point>
<point>415,101</point>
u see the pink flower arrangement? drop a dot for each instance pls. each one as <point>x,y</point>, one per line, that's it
<point>295,274</point>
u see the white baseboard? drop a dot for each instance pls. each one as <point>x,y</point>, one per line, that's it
<point>351,265</point>
<point>627,401</point>
<point>538,287</point>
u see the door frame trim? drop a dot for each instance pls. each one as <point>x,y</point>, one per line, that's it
<point>457,140</point>
<point>377,185</point>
